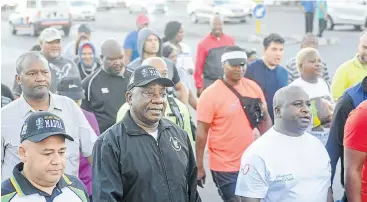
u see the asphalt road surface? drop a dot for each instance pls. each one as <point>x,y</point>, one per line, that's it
<point>116,23</point>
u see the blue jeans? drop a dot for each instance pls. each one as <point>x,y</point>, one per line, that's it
<point>226,184</point>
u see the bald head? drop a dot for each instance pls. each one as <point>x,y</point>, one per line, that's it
<point>158,63</point>
<point>288,94</point>
<point>309,40</point>
<point>110,46</point>
<point>362,47</point>
<point>112,57</point>
<point>216,25</point>
<point>292,114</point>
<point>215,19</point>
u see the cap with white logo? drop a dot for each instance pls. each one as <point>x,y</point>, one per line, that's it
<point>41,125</point>
<point>71,87</point>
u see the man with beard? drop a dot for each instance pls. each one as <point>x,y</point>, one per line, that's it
<point>208,65</point>
<point>34,77</point>
<point>40,176</point>
<point>267,71</point>
<point>352,71</point>
<point>105,89</point>
<point>60,67</point>
<point>286,164</point>
<point>227,118</point>
<point>145,157</point>
<point>150,45</point>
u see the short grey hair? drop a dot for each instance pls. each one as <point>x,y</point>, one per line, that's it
<point>27,58</point>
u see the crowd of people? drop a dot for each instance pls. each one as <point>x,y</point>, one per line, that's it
<point>116,123</point>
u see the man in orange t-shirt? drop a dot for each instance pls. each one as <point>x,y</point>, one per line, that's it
<point>355,154</point>
<point>223,122</point>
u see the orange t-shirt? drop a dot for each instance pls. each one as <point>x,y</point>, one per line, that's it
<point>230,132</point>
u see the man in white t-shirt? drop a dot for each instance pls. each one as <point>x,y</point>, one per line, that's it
<point>286,164</point>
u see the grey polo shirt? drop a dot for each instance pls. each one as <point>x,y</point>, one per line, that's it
<point>13,116</point>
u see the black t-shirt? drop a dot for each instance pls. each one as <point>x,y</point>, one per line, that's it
<point>104,95</point>
<point>6,95</point>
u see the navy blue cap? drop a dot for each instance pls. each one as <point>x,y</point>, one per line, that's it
<point>41,125</point>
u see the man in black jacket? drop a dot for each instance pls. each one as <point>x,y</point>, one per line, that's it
<point>145,157</point>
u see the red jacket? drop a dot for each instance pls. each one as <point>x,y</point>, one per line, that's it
<point>204,46</point>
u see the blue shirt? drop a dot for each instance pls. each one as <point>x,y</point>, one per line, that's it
<point>269,80</point>
<point>130,42</point>
<point>308,6</point>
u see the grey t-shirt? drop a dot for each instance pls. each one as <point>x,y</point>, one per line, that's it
<point>60,68</point>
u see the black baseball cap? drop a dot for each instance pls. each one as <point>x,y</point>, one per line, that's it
<point>234,55</point>
<point>146,74</point>
<point>84,28</point>
<point>41,125</point>
<point>71,87</point>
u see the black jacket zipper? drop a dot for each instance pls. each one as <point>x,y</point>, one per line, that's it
<point>161,159</point>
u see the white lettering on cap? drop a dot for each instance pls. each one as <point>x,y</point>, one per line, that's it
<point>52,123</point>
<point>233,55</point>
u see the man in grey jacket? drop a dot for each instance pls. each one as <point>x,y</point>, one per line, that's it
<point>150,45</point>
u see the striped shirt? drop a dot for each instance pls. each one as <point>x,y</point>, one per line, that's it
<point>294,74</point>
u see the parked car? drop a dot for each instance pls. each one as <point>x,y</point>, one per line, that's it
<point>230,10</point>
<point>104,4</point>
<point>351,12</point>
<point>36,15</point>
<point>146,6</point>
<point>82,10</point>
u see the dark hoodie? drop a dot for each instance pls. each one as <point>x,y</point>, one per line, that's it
<point>142,37</point>
<point>86,70</point>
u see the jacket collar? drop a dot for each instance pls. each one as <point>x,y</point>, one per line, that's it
<point>24,187</point>
<point>133,129</point>
<point>25,108</point>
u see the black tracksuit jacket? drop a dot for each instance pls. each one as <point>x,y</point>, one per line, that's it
<point>130,165</point>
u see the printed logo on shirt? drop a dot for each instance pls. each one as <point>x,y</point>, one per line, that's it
<point>105,90</point>
<point>61,72</point>
<point>284,178</point>
<point>176,145</point>
<point>245,169</point>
